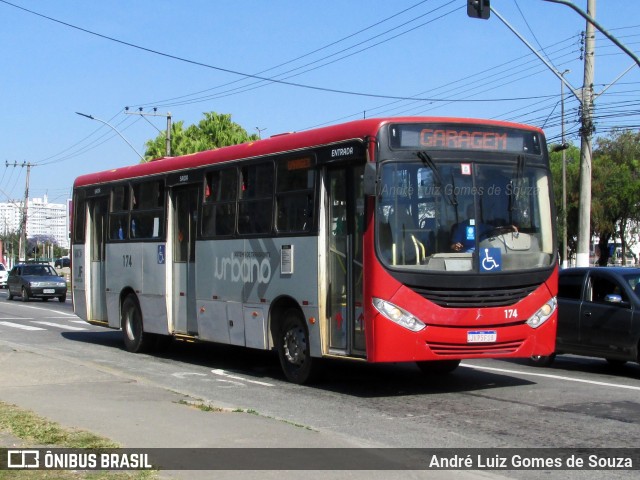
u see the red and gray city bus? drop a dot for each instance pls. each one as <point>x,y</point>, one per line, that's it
<point>344,242</point>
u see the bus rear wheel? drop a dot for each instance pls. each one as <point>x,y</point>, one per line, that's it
<point>438,366</point>
<point>135,339</point>
<point>293,348</point>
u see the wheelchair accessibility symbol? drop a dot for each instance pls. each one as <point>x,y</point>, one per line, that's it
<point>490,260</point>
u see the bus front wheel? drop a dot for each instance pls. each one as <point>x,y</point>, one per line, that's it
<point>135,340</point>
<point>542,360</point>
<point>293,348</point>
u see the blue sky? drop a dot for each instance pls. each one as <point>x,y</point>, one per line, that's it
<point>406,48</point>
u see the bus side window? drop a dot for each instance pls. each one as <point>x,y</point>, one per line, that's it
<point>147,210</point>
<point>255,206</point>
<point>119,213</point>
<point>219,209</point>
<point>79,219</point>
<point>295,195</point>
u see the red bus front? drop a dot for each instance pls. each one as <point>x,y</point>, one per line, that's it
<point>460,255</point>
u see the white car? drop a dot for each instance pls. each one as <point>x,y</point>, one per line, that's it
<point>3,276</point>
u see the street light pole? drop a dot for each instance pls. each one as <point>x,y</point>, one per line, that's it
<point>91,117</point>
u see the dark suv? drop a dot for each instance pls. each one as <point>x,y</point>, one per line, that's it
<point>36,280</point>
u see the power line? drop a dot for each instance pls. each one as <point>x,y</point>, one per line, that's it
<point>248,75</point>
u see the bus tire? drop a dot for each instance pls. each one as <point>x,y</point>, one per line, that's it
<point>542,360</point>
<point>438,367</point>
<point>135,339</point>
<point>293,348</point>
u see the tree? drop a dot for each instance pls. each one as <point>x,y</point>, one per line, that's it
<point>215,130</point>
<point>615,189</point>
<point>572,155</point>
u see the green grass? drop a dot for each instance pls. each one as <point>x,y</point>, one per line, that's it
<point>36,431</point>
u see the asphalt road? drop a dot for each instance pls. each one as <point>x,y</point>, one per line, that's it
<point>579,402</point>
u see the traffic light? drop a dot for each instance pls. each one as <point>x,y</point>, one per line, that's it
<point>478,9</point>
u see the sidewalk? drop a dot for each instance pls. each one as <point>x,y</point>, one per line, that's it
<point>137,414</point>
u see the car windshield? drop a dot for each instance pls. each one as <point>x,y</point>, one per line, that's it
<point>634,283</point>
<point>38,270</point>
<point>435,215</point>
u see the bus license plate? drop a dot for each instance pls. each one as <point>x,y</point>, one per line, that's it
<point>48,290</point>
<point>482,336</point>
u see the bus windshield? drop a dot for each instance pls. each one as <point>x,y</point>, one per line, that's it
<point>445,215</point>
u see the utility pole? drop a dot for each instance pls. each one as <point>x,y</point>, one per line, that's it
<point>565,260</point>
<point>586,133</point>
<point>156,114</point>
<point>22,245</point>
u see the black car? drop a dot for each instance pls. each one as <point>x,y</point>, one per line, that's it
<point>62,262</point>
<point>36,280</point>
<point>598,314</point>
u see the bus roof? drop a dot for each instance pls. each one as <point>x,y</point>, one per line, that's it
<point>276,144</point>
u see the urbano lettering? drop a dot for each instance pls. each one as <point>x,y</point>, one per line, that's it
<point>243,268</point>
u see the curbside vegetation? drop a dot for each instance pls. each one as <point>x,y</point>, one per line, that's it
<point>36,431</point>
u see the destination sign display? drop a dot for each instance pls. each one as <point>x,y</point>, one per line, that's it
<point>464,137</point>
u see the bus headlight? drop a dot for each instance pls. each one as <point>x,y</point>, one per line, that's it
<point>543,314</point>
<point>398,315</point>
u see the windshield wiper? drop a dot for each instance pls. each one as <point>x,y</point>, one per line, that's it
<point>428,161</point>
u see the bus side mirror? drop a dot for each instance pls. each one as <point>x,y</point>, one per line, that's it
<point>370,179</point>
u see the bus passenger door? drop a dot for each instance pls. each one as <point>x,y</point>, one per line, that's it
<point>98,213</point>
<point>345,230</point>
<point>183,231</point>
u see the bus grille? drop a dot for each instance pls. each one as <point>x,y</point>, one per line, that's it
<point>456,349</point>
<point>475,297</point>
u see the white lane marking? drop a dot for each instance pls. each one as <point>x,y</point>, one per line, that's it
<point>50,310</point>
<point>19,325</point>
<point>555,377</point>
<point>222,373</point>
<point>181,375</point>
<point>58,325</point>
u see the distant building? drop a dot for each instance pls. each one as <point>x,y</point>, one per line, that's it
<point>43,218</point>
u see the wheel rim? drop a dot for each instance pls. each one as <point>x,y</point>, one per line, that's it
<point>130,326</point>
<point>295,346</point>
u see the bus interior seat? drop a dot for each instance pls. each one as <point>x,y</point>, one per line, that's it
<point>407,249</point>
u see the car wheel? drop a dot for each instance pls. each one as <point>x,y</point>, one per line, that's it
<point>10,297</point>
<point>542,360</point>
<point>25,294</point>
<point>44,299</point>
<point>293,348</point>
<point>62,298</point>
<point>135,339</point>
<point>438,367</point>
